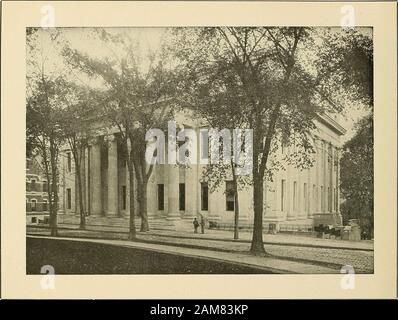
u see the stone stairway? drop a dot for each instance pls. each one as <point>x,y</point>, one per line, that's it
<point>113,223</point>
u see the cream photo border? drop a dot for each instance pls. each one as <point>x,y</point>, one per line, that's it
<point>19,15</point>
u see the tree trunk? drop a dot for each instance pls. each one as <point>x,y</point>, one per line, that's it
<point>49,182</point>
<point>257,247</point>
<point>54,185</point>
<point>132,232</point>
<point>236,225</point>
<point>79,186</point>
<point>236,198</point>
<point>142,201</point>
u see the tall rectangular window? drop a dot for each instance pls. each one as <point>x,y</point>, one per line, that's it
<point>45,208</point>
<point>69,198</point>
<point>124,197</point>
<point>45,186</point>
<point>182,196</point>
<point>160,196</point>
<point>283,194</point>
<point>204,196</point>
<point>305,196</point>
<point>69,161</point>
<point>229,196</point>
<point>294,196</point>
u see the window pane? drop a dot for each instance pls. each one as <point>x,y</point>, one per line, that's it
<point>124,197</point>
<point>69,198</point>
<point>160,196</point>
<point>182,196</point>
<point>229,195</point>
<point>204,196</point>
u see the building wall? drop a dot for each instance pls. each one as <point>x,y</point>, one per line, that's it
<point>307,193</point>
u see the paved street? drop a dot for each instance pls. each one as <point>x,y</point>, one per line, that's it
<point>326,257</point>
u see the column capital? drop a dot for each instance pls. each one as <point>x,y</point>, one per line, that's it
<point>93,140</point>
<point>109,138</point>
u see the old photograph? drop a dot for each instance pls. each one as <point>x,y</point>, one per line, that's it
<point>199,150</point>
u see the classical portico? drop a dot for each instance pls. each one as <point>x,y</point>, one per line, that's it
<point>177,194</point>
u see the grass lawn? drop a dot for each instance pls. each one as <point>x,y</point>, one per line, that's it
<point>79,257</point>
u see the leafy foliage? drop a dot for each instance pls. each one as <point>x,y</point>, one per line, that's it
<point>357,175</point>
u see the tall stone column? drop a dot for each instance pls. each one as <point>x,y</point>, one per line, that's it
<point>320,177</point>
<point>86,180</point>
<point>191,183</point>
<point>128,186</point>
<point>113,190</point>
<point>173,192</point>
<point>290,178</point>
<point>332,184</point>
<point>301,214</point>
<point>317,177</point>
<point>309,192</point>
<point>338,186</point>
<point>325,177</point>
<point>95,179</point>
<point>81,155</point>
<point>152,194</point>
<point>338,182</point>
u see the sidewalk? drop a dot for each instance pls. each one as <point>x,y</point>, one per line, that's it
<point>269,265</point>
<point>280,238</point>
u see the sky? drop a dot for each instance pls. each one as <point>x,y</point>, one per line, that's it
<point>149,40</point>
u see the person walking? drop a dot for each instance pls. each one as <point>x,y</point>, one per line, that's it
<point>195,225</point>
<point>202,224</point>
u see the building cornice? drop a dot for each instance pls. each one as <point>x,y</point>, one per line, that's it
<point>331,124</point>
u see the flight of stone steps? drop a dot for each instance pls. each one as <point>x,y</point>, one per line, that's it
<point>112,223</point>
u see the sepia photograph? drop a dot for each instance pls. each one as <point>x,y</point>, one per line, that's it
<point>198,150</point>
<point>210,150</point>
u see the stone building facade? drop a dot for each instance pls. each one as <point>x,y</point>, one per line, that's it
<point>294,200</point>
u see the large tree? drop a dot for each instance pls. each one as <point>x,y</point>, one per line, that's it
<point>280,87</point>
<point>77,132</point>
<point>350,60</point>
<point>137,97</point>
<point>45,100</point>
<point>357,175</point>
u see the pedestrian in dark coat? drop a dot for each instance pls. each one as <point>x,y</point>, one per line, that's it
<point>195,225</point>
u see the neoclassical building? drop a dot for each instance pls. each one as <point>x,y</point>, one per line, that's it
<point>295,200</point>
